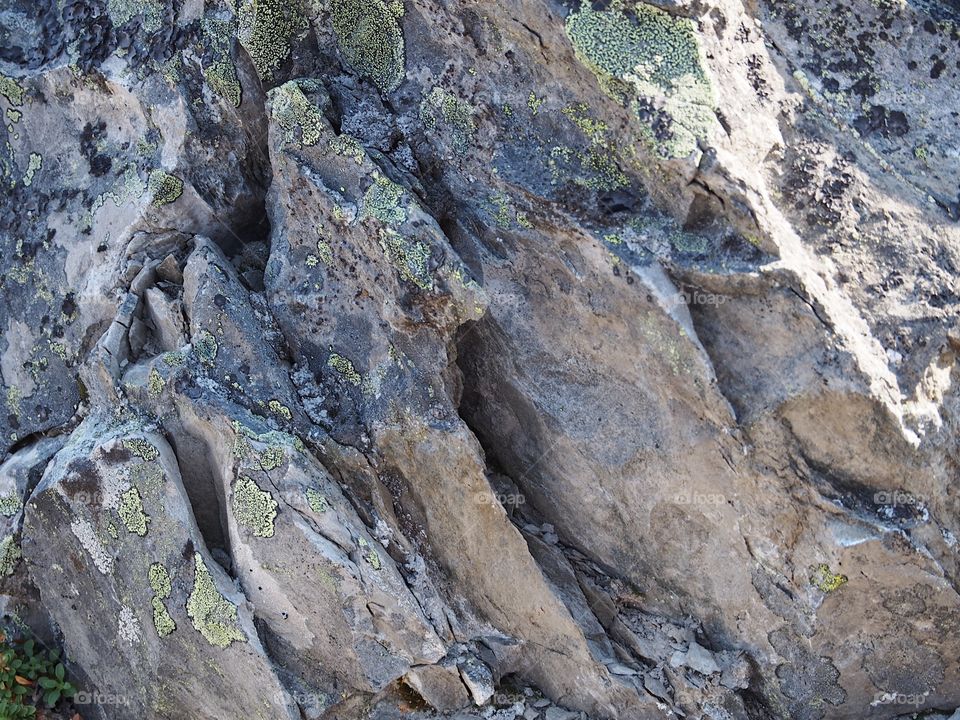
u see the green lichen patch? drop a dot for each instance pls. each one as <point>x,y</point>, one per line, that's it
<point>131,512</point>
<point>160,583</point>
<point>301,121</point>
<point>253,507</point>
<point>317,502</point>
<point>348,146</point>
<point>164,188</point>
<point>382,201</point>
<point>155,383</point>
<point>369,554</point>
<point>34,165</point>
<point>142,448</point>
<point>822,578</point>
<point>10,504</point>
<point>149,12</point>
<point>441,107</point>
<point>345,368</point>
<point>272,458</point>
<point>221,73</point>
<point>12,90</point>
<point>278,408</point>
<point>212,615</point>
<point>206,347</point>
<point>370,39</point>
<point>651,56</point>
<point>10,554</point>
<point>267,29</point>
<point>410,257</point>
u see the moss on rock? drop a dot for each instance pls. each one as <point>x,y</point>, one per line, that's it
<point>211,614</point>
<point>371,40</point>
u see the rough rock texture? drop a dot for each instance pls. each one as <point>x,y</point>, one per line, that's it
<point>540,359</point>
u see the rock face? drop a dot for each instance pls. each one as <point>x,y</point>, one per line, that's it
<point>533,360</point>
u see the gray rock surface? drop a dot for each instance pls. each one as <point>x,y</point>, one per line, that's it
<point>545,360</point>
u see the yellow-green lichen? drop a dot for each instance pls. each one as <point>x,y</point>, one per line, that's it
<point>161,586</point>
<point>164,188</point>
<point>221,74</point>
<point>653,56</point>
<point>278,408</point>
<point>442,107</point>
<point>212,615</point>
<point>11,90</point>
<point>253,507</point>
<point>369,554</point>
<point>534,102</point>
<point>317,502</point>
<point>155,383</point>
<point>272,458</point>
<point>10,554</point>
<point>345,368</point>
<point>301,121</point>
<point>324,251</point>
<point>382,201</point>
<point>10,504</point>
<point>34,164</point>
<point>149,12</point>
<point>131,512</point>
<point>14,116</point>
<point>411,258</point>
<point>826,581</point>
<point>142,448</point>
<point>206,347</point>
<point>370,38</point>
<point>348,146</point>
<point>267,29</point>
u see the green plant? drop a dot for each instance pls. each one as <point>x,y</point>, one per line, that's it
<point>29,674</point>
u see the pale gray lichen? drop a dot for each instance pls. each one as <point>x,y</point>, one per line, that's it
<point>87,536</point>
<point>128,627</point>
<point>253,507</point>
<point>34,164</point>
<point>212,615</point>
<point>370,38</point>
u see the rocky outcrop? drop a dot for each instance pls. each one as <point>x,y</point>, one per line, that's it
<point>544,360</point>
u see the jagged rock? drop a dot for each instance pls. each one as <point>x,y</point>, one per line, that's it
<point>548,343</point>
<point>111,543</point>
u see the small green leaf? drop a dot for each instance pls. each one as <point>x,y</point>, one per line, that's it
<point>59,671</point>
